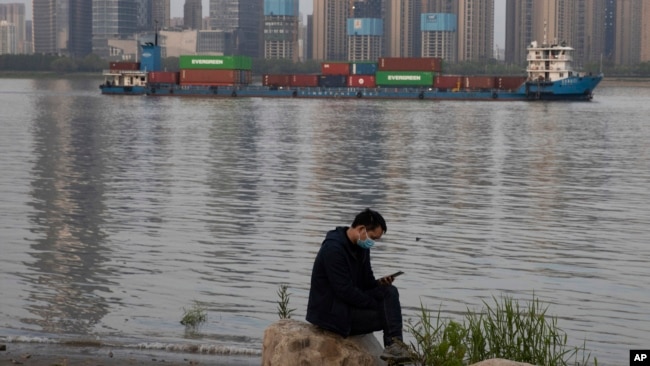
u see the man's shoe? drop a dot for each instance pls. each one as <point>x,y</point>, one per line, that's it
<point>396,353</point>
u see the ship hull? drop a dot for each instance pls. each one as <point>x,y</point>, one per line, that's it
<point>570,89</point>
<point>123,90</point>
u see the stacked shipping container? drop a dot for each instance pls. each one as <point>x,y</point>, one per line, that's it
<point>408,71</point>
<point>387,72</point>
<point>215,70</point>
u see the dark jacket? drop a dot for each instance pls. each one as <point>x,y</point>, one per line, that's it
<point>339,280</point>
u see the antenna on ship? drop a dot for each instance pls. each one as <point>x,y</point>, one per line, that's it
<point>155,42</point>
<point>544,43</point>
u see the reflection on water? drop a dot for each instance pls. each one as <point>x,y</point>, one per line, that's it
<point>124,210</point>
<point>66,283</point>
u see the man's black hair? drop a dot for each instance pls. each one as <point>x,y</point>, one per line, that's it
<point>370,219</point>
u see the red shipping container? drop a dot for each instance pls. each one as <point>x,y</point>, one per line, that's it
<point>335,68</point>
<point>410,64</point>
<point>509,82</point>
<point>276,80</point>
<point>304,80</point>
<point>478,82</point>
<point>166,77</point>
<point>124,66</point>
<point>362,81</point>
<point>447,82</point>
<point>211,77</point>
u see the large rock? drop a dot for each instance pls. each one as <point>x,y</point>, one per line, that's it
<point>294,343</point>
<point>500,362</point>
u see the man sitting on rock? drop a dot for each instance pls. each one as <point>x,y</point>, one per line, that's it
<point>345,297</point>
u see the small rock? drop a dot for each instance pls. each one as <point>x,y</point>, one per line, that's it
<point>3,347</point>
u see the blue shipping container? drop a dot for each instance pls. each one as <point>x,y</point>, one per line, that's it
<point>363,68</point>
<point>365,27</point>
<point>441,22</point>
<point>332,81</point>
<point>281,7</point>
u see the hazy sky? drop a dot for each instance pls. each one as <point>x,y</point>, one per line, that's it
<point>306,8</point>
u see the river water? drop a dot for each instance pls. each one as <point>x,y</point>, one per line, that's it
<point>119,213</point>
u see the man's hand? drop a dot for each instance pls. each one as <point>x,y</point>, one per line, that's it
<point>385,281</point>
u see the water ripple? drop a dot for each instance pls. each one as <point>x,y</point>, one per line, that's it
<point>121,212</point>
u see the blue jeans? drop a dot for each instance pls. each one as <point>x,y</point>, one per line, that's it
<point>388,317</point>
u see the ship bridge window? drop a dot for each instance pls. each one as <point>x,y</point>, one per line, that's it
<point>561,74</point>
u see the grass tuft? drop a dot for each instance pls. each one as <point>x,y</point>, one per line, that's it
<point>283,304</point>
<point>195,316</point>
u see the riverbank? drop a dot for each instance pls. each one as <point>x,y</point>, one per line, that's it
<point>48,75</point>
<point>625,82</point>
<point>39,354</point>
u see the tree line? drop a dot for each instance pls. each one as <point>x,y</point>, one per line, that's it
<point>94,63</point>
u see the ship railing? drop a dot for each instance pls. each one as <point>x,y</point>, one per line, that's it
<point>124,72</point>
<point>543,59</point>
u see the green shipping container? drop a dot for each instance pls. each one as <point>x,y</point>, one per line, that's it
<point>207,62</point>
<point>405,78</point>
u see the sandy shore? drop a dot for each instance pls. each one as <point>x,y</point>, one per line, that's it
<point>38,354</point>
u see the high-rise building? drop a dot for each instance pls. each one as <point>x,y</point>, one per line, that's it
<point>7,38</point>
<point>365,39</point>
<point>440,6</point>
<point>161,13</point>
<point>365,29</point>
<point>62,27</point>
<point>144,15</point>
<point>519,30</point>
<point>631,45</point>
<point>439,36</point>
<point>111,19</point>
<point>329,36</point>
<point>402,28</point>
<point>367,9</point>
<point>245,19</point>
<point>29,31</point>
<point>214,42</point>
<point>46,27</point>
<point>611,29</point>
<point>80,42</point>
<point>193,14</point>
<point>544,21</point>
<point>645,32</point>
<point>309,38</point>
<point>588,31</point>
<point>15,14</point>
<point>281,29</point>
<point>475,30</point>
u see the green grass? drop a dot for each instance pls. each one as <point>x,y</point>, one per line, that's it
<point>505,329</point>
<point>437,342</point>
<point>195,316</point>
<point>284,312</point>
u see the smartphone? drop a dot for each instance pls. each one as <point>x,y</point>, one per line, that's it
<point>396,274</point>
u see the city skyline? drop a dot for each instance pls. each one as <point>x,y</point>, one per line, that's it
<point>306,7</point>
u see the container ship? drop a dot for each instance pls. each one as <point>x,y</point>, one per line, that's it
<point>549,76</point>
